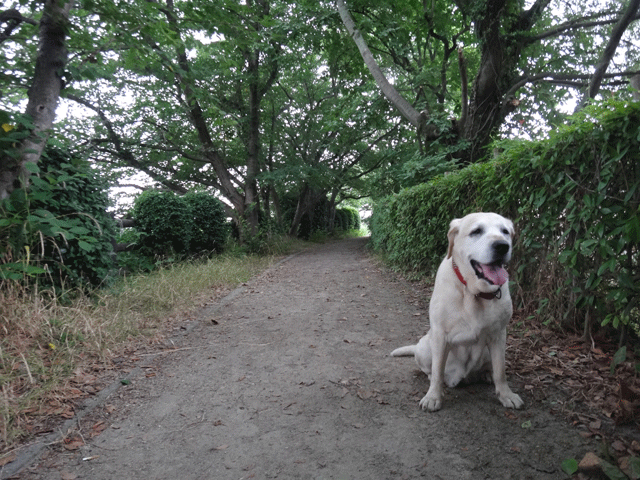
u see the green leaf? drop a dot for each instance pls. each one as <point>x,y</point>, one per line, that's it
<point>87,247</point>
<point>17,270</point>
<point>79,230</point>
<point>31,167</point>
<point>570,466</point>
<point>619,357</point>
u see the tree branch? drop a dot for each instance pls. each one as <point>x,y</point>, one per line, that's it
<point>12,18</point>
<point>404,107</point>
<point>619,29</point>
<point>529,17</point>
<point>122,152</point>
<point>563,79</point>
<point>572,25</point>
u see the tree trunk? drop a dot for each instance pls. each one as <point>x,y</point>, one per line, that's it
<point>251,205</point>
<point>484,110</point>
<point>332,209</point>
<point>43,94</point>
<point>635,85</point>
<point>300,211</point>
<point>309,198</point>
<point>276,205</point>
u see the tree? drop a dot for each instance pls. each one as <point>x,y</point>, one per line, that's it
<point>202,103</point>
<point>261,99</point>
<point>511,47</point>
<point>44,91</point>
<point>214,108</point>
<point>328,132</point>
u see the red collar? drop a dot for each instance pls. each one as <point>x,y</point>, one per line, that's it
<point>486,296</point>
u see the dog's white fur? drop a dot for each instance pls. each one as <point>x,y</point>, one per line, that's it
<point>468,333</point>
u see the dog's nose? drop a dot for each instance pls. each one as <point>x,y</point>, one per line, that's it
<point>501,248</point>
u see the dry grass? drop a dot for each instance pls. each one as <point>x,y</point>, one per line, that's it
<point>45,342</point>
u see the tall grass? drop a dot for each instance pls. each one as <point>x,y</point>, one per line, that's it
<point>45,340</point>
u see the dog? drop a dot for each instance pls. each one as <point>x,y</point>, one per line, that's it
<point>469,311</point>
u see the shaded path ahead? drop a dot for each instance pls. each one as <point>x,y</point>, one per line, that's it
<point>291,378</point>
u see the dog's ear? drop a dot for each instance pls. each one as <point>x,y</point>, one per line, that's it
<point>454,228</point>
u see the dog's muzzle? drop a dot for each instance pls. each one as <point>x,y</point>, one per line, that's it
<point>494,272</point>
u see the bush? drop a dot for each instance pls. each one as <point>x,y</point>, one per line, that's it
<point>168,224</point>
<point>341,221</point>
<point>352,218</point>
<point>164,221</point>
<point>210,227</point>
<point>58,231</point>
<point>575,199</point>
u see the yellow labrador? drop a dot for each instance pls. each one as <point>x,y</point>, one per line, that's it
<point>469,310</point>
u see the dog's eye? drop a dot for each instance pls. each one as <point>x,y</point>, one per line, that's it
<point>506,232</point>
<point>476,231</point>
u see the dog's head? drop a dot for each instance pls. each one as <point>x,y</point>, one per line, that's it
<point>480,245</point>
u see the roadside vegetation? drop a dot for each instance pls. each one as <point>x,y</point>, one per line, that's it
<point>50,341</point>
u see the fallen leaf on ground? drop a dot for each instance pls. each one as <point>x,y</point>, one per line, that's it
<point>73,443</point>
<point>98,428</point>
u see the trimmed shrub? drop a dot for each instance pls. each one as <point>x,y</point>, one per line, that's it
<point>575,199</point>
<point>210,228</point>
<point>354,220</point>
<point>342,218</point>
<point>164,221</point>
<point>347,218</point>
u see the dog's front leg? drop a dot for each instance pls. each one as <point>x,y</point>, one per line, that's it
<point>432,401</point>
<point>506,396</point>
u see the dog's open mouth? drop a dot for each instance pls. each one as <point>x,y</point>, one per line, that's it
<point>494,273</point>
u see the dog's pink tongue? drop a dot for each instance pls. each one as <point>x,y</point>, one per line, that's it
<point>496,274</point>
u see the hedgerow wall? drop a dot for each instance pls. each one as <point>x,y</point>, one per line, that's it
<point>575,200</point>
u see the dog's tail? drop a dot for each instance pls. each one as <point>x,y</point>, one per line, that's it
<point>408,351</point>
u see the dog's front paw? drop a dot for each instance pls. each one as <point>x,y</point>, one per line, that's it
<point>511,400</point>
<point>431,402</point>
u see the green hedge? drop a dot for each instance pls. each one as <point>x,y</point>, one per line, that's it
<point>210,228</point>
<point>347,218</point>
<point>164,221</point>
<point>169,223</point>
<point>575,199</point>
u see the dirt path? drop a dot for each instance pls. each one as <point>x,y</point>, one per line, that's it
<point>291,378</point>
